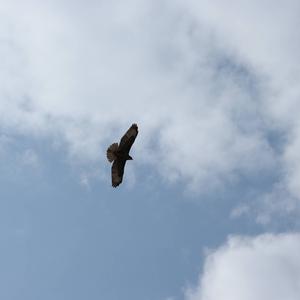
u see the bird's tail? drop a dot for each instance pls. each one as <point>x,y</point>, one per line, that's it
<point>110,153</point>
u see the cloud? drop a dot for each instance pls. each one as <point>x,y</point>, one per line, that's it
<point>207,83</point>
<point>263,36</point>
<point>262,267</point>
<point>30,158</point>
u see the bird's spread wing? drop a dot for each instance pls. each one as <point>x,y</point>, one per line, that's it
<point>128,138</point>
<point>117,171</point>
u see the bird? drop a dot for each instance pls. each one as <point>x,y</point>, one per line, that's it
<point>118,154</point>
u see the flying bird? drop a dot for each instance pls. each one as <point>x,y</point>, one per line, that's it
<point>119,154</point>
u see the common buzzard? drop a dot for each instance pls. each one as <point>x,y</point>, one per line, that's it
<point>118,154</point>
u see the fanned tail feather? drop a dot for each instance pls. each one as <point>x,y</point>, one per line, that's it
<point>110,153</point>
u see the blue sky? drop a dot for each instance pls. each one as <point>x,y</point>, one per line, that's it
<point>60,240</point>
<point>209,206</point>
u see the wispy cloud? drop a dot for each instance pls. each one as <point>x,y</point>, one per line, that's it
<point>207,82</point>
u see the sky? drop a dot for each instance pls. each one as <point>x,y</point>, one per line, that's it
<point>209,207</point>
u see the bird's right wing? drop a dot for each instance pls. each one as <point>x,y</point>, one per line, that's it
<point>128,138</point>
<point>117,171</point>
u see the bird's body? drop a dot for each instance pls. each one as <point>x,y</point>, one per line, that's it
<point>123,155</point>
<point>119,154</point>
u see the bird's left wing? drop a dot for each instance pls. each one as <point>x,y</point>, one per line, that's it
<point>117,171</point>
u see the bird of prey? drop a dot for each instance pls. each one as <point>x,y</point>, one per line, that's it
<point>119,154</point>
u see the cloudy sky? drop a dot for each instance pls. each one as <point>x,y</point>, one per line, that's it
<point>209,207</point>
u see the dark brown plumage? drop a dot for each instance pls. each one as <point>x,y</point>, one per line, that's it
<point>119,154</point>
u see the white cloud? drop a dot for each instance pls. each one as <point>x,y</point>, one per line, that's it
<point>263,35</point>
<point>205,80</point>
<point>263,267</point>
